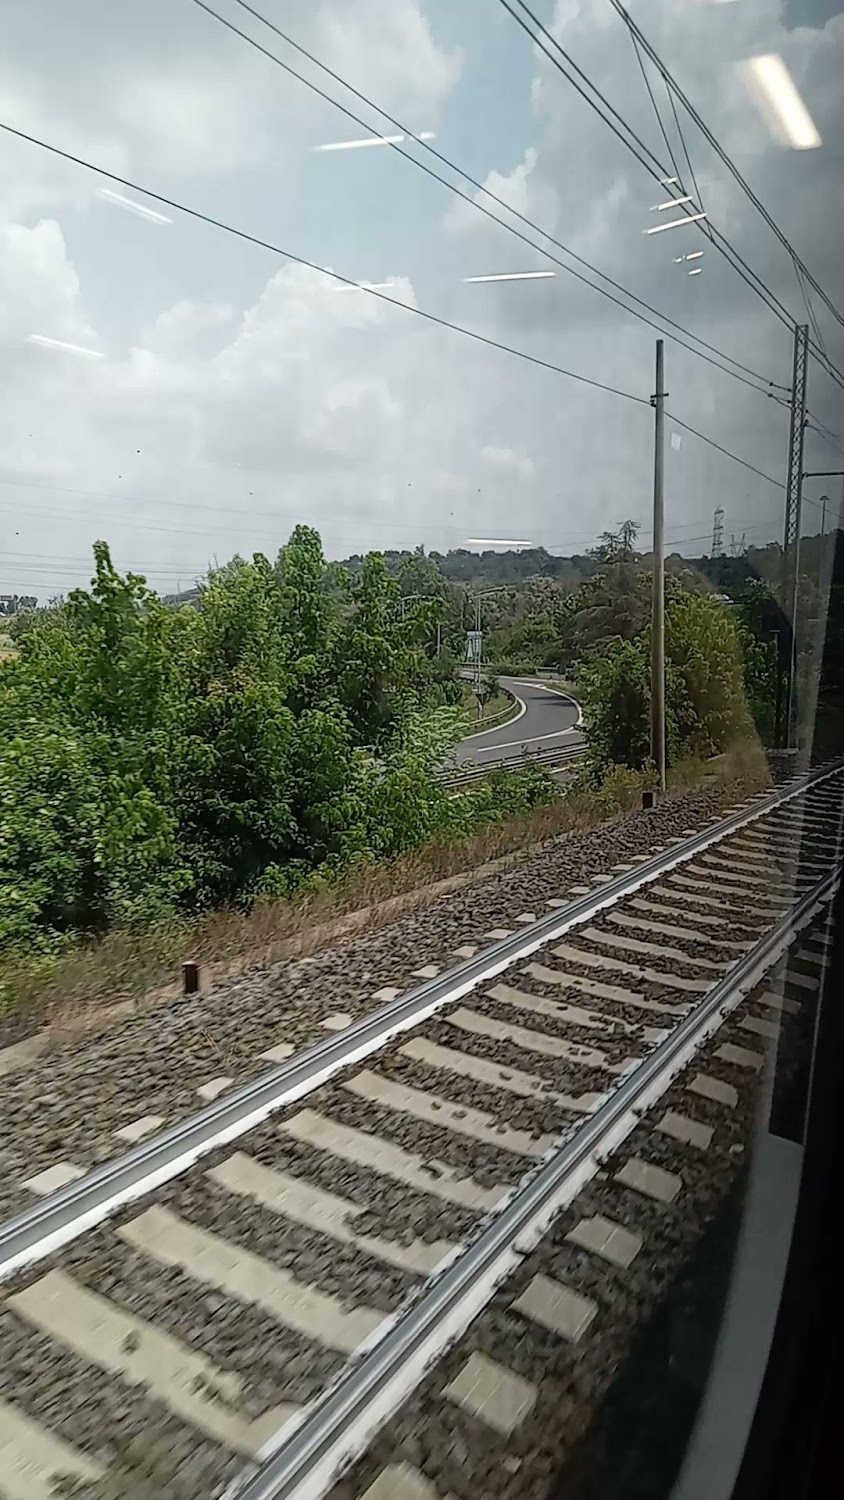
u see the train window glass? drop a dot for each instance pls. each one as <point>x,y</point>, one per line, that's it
<point>420,685</point>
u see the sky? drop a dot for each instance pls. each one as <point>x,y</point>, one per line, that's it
<point>231,392</point>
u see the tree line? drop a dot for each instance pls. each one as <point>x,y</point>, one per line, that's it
<point>161,760</point>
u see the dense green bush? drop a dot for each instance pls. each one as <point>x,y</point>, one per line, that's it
<point>706,700</point>
<point>157,761</point>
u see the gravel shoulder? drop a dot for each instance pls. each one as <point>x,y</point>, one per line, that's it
<point>68,1104</point>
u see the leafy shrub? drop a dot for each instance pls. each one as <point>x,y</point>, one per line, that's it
<point>159,762</point>
<point>706,703</point>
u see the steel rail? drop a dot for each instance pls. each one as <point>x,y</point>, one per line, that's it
<point>69,1211</point>
<point>314,1448</point>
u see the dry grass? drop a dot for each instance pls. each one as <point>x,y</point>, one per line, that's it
<point>93,983</point>
<point>496,712</point>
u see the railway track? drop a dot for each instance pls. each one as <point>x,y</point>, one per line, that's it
<point>239,1304</point>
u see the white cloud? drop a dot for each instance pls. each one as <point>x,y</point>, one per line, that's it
<point>387,50</point>
<point>217,421</point>
<point>507,462</point>
<point>162,91</point>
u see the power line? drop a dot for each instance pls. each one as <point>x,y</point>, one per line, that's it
<point>659,121</point>
<point>639,150</point>
<point>679,130</point>
<point>727,454</point>
<point>704,224</point>
<point>282,514</point>
<point>810,311</point>
<point>824,432</point>
<point>725,158</point>
<point>301,260</point>
<point>716,238</point>
<point>480,187</point>
<point>658,170</point>
<point>724,245</point>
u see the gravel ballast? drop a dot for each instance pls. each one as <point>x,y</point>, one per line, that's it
<point>67,1105</point>
<point>457,1452</point>
<point>552,1452</point>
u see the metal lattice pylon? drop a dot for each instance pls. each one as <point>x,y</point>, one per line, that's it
<point>791,533</point>
<point>718,531</point>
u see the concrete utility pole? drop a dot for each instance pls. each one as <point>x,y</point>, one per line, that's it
<point>787,716</point>
<point>658,598</point>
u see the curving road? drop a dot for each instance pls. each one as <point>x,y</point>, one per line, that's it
<point>546,718</point>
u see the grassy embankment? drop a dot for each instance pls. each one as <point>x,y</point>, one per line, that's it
<point>83,985</point>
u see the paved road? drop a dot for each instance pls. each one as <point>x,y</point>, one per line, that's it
<point>547,718</point>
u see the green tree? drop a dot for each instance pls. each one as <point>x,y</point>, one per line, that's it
<point>287,724</point>
<point>706,699</point>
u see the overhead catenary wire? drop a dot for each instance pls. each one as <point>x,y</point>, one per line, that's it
<point>833,438</point>
<point>694,114</point>
<point>301,260</point>
<point>659,119</point>
<point>632,141</point>
<point>58,567</point>
<point>726,451</point>
<point>264,244</point>
<point>816,346</point>
<point>704,224</point>
<point>769,385</point>
<point>278,514</point>
<point>679,129</point>
<point>658,171</point>
<point>807,303</point>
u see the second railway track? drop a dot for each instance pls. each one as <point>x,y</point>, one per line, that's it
<point>169,1314</point>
